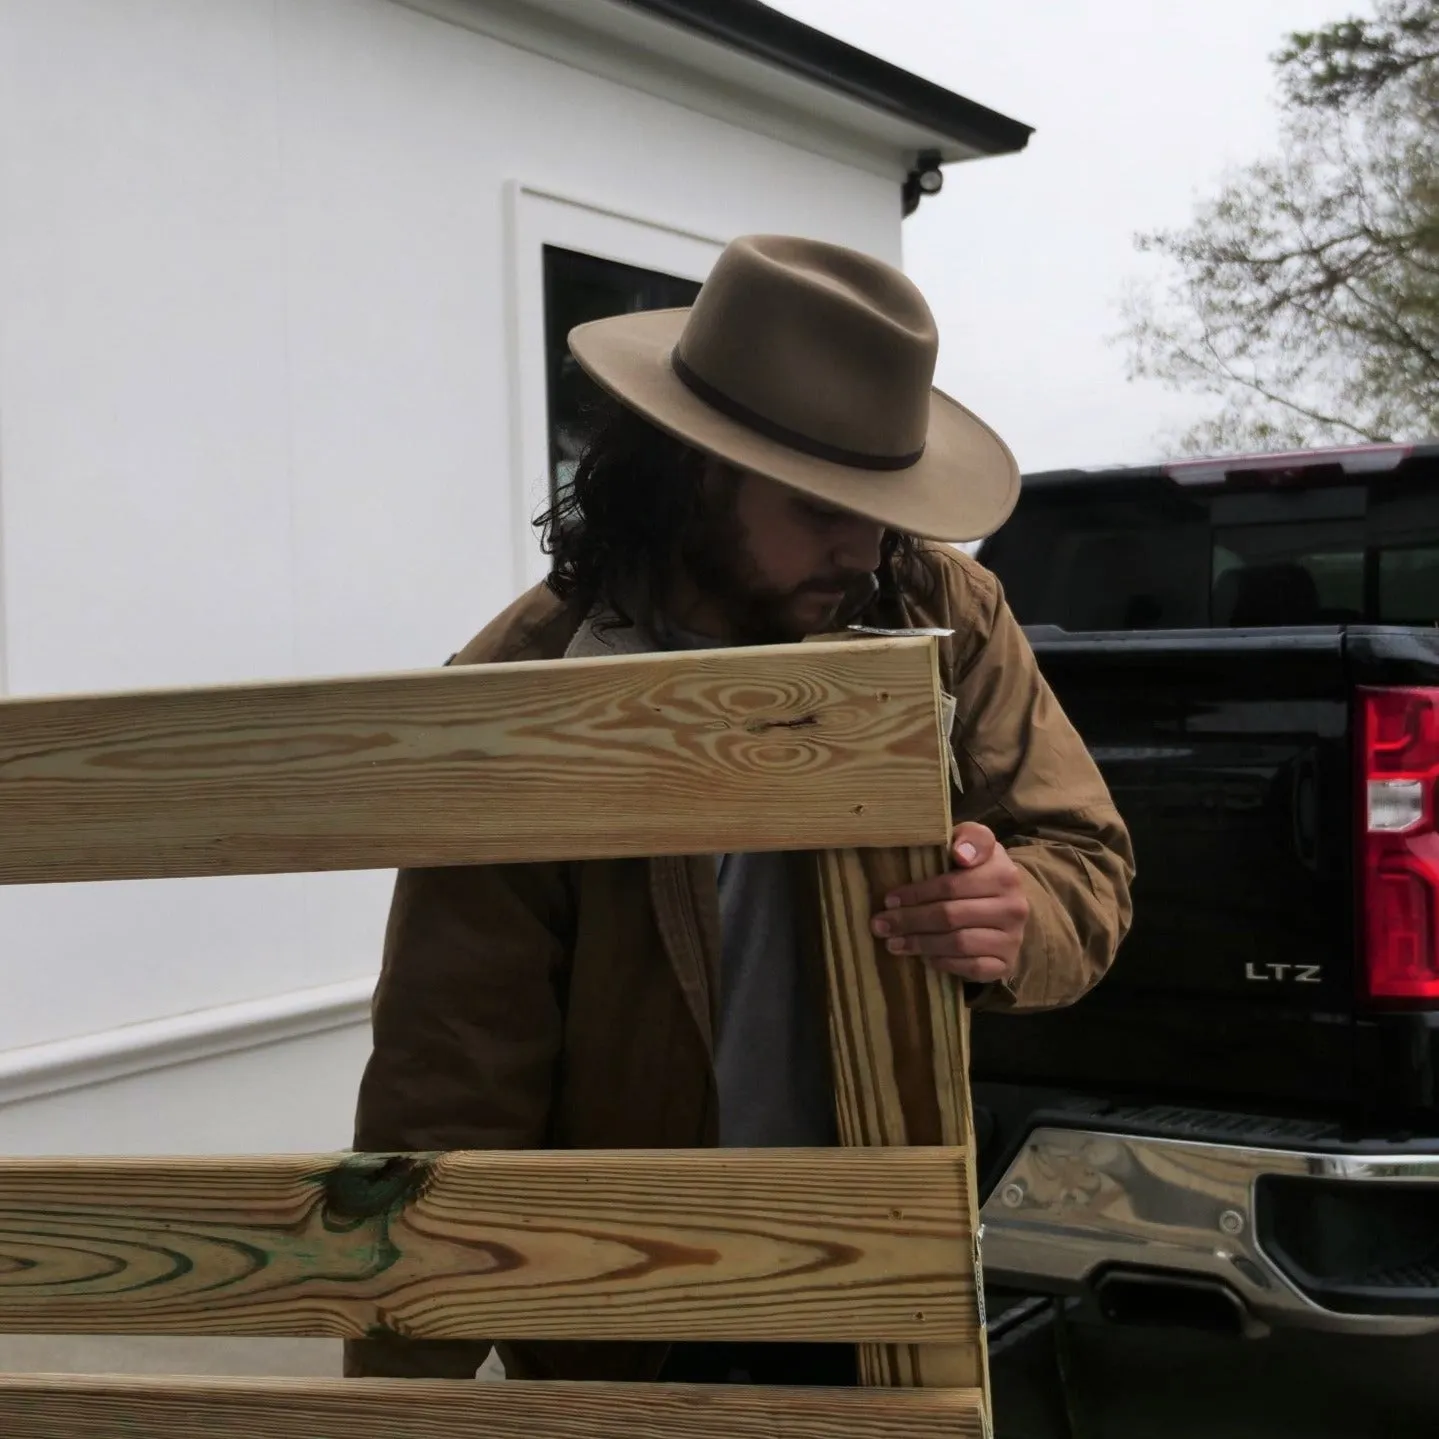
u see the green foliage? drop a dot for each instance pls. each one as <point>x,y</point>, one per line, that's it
<point>1305,295</point>
<point>1355,60</point>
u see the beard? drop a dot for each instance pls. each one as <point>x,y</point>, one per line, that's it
<point>715,553</point>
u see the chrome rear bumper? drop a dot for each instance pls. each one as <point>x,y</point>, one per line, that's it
<point>1075,1204</point>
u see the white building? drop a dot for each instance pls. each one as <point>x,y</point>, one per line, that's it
<point>283,290</point>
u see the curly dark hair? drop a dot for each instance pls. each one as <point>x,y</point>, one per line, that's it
<point>615,531</point>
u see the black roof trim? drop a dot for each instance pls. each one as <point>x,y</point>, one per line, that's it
<point>760,31</point>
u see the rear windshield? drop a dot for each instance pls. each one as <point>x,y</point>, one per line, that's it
<point>1146,554</point>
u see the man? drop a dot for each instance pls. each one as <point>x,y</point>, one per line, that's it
<point>772,459</point>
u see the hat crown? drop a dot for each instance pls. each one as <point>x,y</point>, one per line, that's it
<point>820,344</point>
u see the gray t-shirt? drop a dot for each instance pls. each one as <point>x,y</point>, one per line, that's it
<point>772,1038</point>
<point>771,1059</point>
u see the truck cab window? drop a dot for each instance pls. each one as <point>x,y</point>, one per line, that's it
<point>1409,585</point>
<point>1142,554</point>
<point>1404,534</point>
<point>1281,574</point>
<point>1129,560</point>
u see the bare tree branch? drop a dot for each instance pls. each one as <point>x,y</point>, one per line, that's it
<point>1304,295</point>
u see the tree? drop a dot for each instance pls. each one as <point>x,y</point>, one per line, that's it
<point>1356,60</point>
<point>1305,295</point>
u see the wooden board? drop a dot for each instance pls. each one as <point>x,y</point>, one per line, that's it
<point>896,1024</point>
<point>769,1244</point>
<point>899,1037</point>
<point>782,747</point>
<point>51,1407</point>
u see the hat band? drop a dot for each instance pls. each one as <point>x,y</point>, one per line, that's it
<point>795,439</point>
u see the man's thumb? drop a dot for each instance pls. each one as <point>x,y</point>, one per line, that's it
<point>972,844</point>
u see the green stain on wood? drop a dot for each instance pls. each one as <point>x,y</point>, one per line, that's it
<point>362,1187</point>
<point>362,1196</point>
<point>346,1236</point>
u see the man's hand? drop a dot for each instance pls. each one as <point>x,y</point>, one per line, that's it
<point>969,921</point>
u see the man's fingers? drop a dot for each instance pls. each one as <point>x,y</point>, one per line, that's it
<point>971,844</point>
<point>981,971</point>
<point>989,912</point>
<point>968,922</point>
<point>955,944</point>
<point>956,884</point>
<point>975,852</point>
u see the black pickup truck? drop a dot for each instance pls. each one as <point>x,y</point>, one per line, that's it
<point>1239,1127</point>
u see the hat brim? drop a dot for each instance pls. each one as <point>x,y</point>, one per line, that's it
<point>963,487</point>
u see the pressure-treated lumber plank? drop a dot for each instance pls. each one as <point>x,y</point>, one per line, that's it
<point>51,1407</point>
<point>896,1024</point>
<point>779,747</point>
<point>899,1037</point>
<point>770,1244</point>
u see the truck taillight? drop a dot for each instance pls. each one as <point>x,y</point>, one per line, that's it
<point>1399,842</point>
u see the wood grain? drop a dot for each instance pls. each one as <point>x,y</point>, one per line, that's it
<point>770,1244</point>
<point>51,1407</point>
<point>781,747</point>
<point>899,1038</point>
<point>897,1028</point>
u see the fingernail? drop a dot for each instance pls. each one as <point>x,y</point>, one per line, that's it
<point>891,901</point>
<point>895,946</point>
<point>967,852</point>
<point>881,927</point>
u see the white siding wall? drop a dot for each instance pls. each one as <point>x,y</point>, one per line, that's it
<point>255,420</point>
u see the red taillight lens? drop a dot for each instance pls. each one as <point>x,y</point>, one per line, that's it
<point>1399,847</point>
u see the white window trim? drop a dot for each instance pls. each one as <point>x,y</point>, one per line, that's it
<point>4,632</point>
<point>536,217</point>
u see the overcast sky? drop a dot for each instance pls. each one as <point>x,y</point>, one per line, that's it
<point>1138,107</point>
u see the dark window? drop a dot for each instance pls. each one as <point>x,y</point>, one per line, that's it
<point>1134,558</point>
<point>1404,531</point>
<point>1143,554</point>
<point>1280,574</point>
<point>579,288</point>
<point>1409,585</point>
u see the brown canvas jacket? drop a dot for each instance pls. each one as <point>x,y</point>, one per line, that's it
<point>569,1005</point>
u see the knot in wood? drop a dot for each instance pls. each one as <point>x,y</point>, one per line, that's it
<point>369,1186</point>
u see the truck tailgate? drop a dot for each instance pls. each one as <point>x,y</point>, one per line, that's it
<point>1229,756</point>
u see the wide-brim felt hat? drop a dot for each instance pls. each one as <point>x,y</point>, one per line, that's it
<point>813,365</point>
